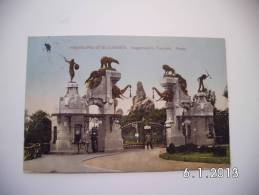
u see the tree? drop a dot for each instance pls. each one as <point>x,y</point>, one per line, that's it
<point>155,115</point>
<point>38,128</point>
<point>221,125</point>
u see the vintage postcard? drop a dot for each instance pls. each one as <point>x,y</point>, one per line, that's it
<point>126,104</point>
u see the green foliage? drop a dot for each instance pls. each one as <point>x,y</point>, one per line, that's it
<point>196,157</point>
<point>219,155</point>
<point>155,115</point>
<point>221,125</point>
<point>155,118</point>
<point>192,148</point>
<point>38,128</point>
<point>171,149</point>
<point>219,151</point>
<point>31,152</point>
<point>205,149</point>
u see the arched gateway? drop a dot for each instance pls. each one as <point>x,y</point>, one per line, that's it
<point>71,123</point>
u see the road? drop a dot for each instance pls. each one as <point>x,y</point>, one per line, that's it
<point>144,160</point>
<point>127,161</point>
<point>63,163</point>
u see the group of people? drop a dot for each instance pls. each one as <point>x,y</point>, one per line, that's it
<point>92,138</point>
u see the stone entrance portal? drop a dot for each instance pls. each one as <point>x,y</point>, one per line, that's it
<point>100,94</point>
<point>70,124</point>
<point>187,121</point>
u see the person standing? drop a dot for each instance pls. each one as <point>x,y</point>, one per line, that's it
<point>148,139</point>
<point>94,139</point>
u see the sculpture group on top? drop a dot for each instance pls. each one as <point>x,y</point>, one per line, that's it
<point>96,76</point>
<point>188,121</point>
<point>73,118</point>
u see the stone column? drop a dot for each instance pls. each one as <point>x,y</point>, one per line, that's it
<point>113,138</point>
<point>112,77</point>
<point>105,126</point>
<point>63,136</point>
<point>202,110</point>
<point>109,134</point>
<point>173,134</point>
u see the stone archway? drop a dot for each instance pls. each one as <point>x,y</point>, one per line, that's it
<point>109,131</point>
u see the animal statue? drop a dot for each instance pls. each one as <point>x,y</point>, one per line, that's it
<point>95,74</point>
<point>95,78</point>
<point>211,96</point>
<point>107,61</point>
<point>167,95</point>
<point>169,71</point>
<point>182,82</point>
<point>118,93</point>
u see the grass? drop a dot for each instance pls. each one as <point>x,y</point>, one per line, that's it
<point>197,157</point>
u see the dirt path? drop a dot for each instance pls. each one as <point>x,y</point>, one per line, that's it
<point>63,163</point>
<point>144,160</point>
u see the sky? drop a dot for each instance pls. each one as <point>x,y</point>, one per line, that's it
<point>141,59</point>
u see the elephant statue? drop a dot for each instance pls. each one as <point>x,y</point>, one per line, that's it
<point>118,93</point>
<point>167,95</point>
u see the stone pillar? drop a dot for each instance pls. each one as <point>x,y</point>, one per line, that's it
<point>202,114</point>
<point>71,110</point>
<point>109,133</point>
<point>173,134</point>
<point>113,139</point>
<point>102,133</point>
<point>63,135</point>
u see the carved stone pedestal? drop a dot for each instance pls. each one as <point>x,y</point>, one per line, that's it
<point>109,133</point>
<point>174,134</point>
<point>113,139</point>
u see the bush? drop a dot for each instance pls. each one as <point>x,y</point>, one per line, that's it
<point>191,148</point>
<point>219,151</point>
<point>180,149</point>
<point>38,128</point>
<point>32,151</point>
<point>171,149</point>
<point>45,148</point>
<point>205,149</point>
